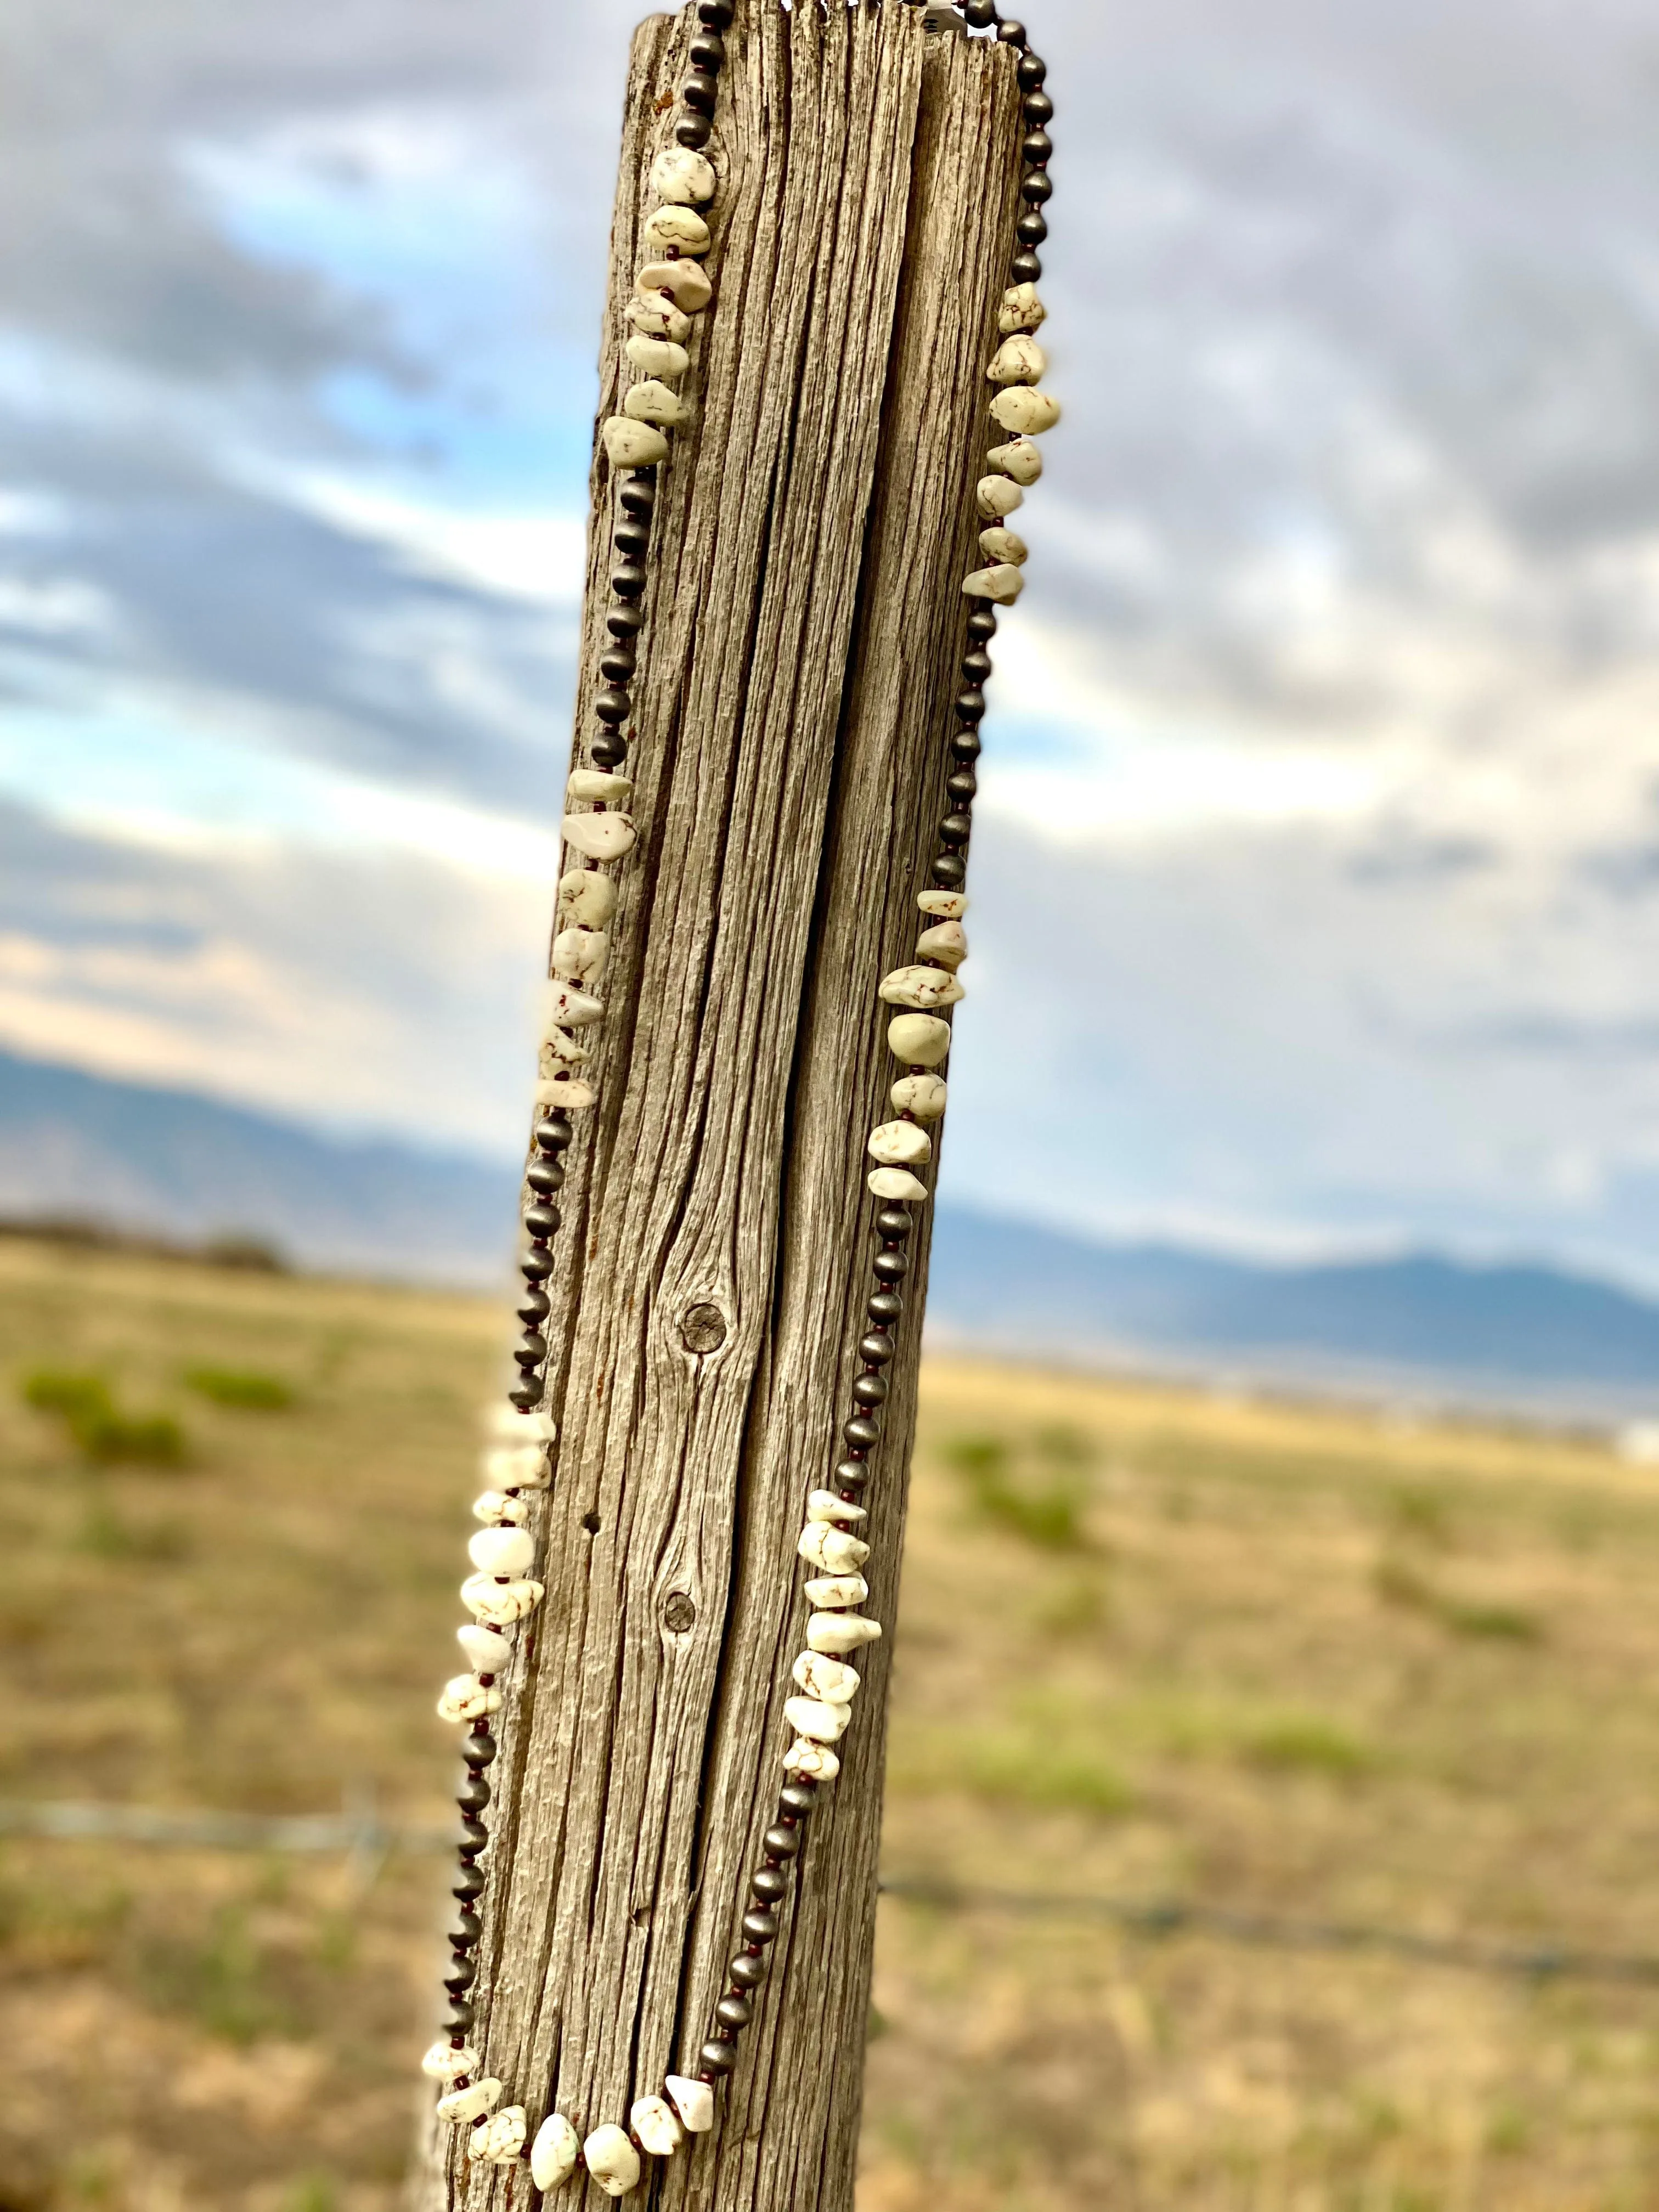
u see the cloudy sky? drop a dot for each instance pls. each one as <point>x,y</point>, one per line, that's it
<point>1319,873</point>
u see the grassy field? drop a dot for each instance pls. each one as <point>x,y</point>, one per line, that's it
<point>1298,1662</point>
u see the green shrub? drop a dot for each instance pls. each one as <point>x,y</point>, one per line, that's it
<point>1045,1506</point>
<point>244,1387</point>
<point>84,1405</point>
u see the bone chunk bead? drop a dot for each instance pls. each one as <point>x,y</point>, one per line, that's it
<point>680,226</point>
<point>825,1505</point>
<point>694,2101</point>
<point>612,2161</point>
<point>813,1719</point>
<point>516,1467</point>
<point>516,1428</point>
<point>652,2121</point>
<point>562,1094</point>
<point>631,444</point>
<point>657,357</point>
<point>685,283</point>
<point>651,402</point>
<point>659,318</point>
<point>554,2153</point>
<point>950,906</point>
<point>1023,411</point>
<point>560,1053</point>
<point>923,1096</point>
<point>579,955</point>
<point>833,1549</point>
<point>499,1604</point>
<point>921,987</point>
<point>919,1040</point>
<point>996,496</point>
<point>600,836</point>
<point>896,1186</point>
<point>1018,359</point>
<point>945,942</point>
<point>682,177</point>
<point>487,1649</point>
<point>840,1632</point>
<point>585,895</point>
<point>593,783</point>
<point>465,1698</point>
<point>1004,545</point>
<point>564,1007</point>
<point>832,1593</point>
<point>1021,310</point>
<point>499,2140</point>
<point>899,1144</point>
<point>443,2062</point>
<point>1020,459</point>
<point>502,1550</point>
<point>494,1507</point>
<point>816,1759</point>
<point>831,1679</point>
<point>463,2104</point>
<point>1002,583</point>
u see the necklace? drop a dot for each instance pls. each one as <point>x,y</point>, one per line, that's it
<point>672,288</point>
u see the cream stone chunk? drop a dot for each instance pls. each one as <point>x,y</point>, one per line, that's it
<point>657,357</point>
<point>825,1505</point>
<point>895,1186</point>
<point>831,1593</point>
<point>1021,309</point>
<point>561,1052</point>
<point>1020,459</point>
<point>463,2104</point>
<point>517,1428</point>
<point>499,2141</point>
<point>899,1144</point>
<point>921,987</point>
<point>997,495</point>
<point>502,1550</point>
<point>684,282</point>
<point>1004,545</point>
<point>659,318</point>
<point>840,1632</point>
<point>1024,410</point>
<point>488,1651</point>
<point>652,2121</point>
<point>592,783</point>
<point>612,2161</point>
<point>516,1467</point>
<point>563,1006</point>
<point>631,444</point>
<point>816,1759</point>
<point>831,1548</point>
<point>443,2062</point>
<point>919,1040</point>
<point>945,942</point>
<point>924,1096</point>
<point>600,836</point>
<point>465,1698</point>
<point>1018,359</point>
<point>586,896</point>
<point>820,1676</point>
<point>1002,582</point>
<point>564,1095</point>
<point>500,1603</point>
<point>682,177</point>
<point>694,2101</point>
<point>554,2153</point>
<point>950,906</point>
<point>494,1507</point>
<point>680,226</point>
<point>580,954</point>
<point>651,402</point>
<point>812,1718</point>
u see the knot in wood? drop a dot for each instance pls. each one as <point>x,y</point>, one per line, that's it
<point>678,1612</point>
<point>703,1328</point>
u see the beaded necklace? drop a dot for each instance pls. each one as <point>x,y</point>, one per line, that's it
<point>671,288</point>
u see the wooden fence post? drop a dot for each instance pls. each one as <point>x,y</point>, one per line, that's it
<point>803,621</point>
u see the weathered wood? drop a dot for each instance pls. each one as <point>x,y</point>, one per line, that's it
<point>804,617</point>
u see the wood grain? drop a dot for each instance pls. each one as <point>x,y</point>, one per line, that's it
<point>792,712</point>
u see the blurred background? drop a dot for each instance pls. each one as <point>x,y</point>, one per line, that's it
<point>1318,871</point>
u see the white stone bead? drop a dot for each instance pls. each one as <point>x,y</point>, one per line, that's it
<point>840,1632</point>
<point>831,1548</point>
<point>652,2121</point>
<point>651,402</point>
<point>1023,411</point>
<point>684,282</point>
<point>680,226</point>
<point>1017,359</point>
<point>655,357</point>
<point>461,2105</point>
<point>659,318</point>
<point>919,1040</point>
<point>564,1095</point>
<point>997,495</point>
<point>895,1186</point>
<point>946,942</point>
<point>500,1603</point>
<point>631,444</point>
<point>586,896</point>
<point>832,1680</point>
<point>836,1593</point>
<point>516,1467</point>
<point>487,1649</point>
<point>921,987</point>
<point>813,1758</point>
<point>496,1509</point>
<point>1021,309</point>
<point>502,1550</point>
<point>443,2062</point>
<point>465,1698</point>
<point>825,1505</point>
<point>924,1096</point>
<point>1004,545</point>
<point>1020,459</point>
<point>579,955</point>
<point>899,1144</point>
<point>517,1428</point>
<point>682,176</point>
<point>814,1719</point>
<point>560,1053</point>
<point>499,2140</point>
<point>609,791</point>
<point>554,2153</point>
<point>600,836</point>
<point>950,906</point>
<point>1001,582</point>
<point>612,2161</point>
<point>694,2101</point>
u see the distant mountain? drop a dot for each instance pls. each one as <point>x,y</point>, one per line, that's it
<point>126,1157</point>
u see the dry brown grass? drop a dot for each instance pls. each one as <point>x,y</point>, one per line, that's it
<point>1287,1659</point>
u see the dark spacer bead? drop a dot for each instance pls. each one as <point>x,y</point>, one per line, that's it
<point>467,1929</point>
<point>770,1883</point>
<point>892,1267</point>
<point>541,1222</point>
<point>618,664</point>
<point>715,14</point>
<point>632,536</point>
<point>966,745</point>
<point>720,2057</point>
<point>473,1834</point>
<point>1037,148</point>
<point>473,1794</point>
<point>950,871</point>
<point>545,1176</point>
<point>957,828</point>
<point>1038,110</point>
<point>851,1474</point>
<point>694,131</point>
<point>553,1133</point>
<point>895,1224</point>
<point>982,623</point>
<point>876,1349</point>
<point>699,92</point>
<point>760,1925</point>
<point>528,1395</point>
<point>531,1349</point>
<point>624,622</point>
<point>628,578</point>
<point>980,14</point>
<point>734,2012</point>
<point>962,785</point>
<point>459,2014</point>
<point>1031,229</point>
<point>612,705</point>
<point>748,1971</point>
<point>459,1975</point>
<point>781,1843</point>
<point>1031,72</point>
<point>884,1307</point>
<point>975,665</point>
<point>1025,267</point>
<point>1012,31</point>
<point>862,1432</point>
<point>478,1750</point>
<point>468,1883</point>
<point>1037,188</point>
<point>609,748</point>
<point>870,1390</point>
<point>798,1796</point>
<point>532,1306</point>
<point>969,705</point>
<point>708,50</point>
<point>639,492</point>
